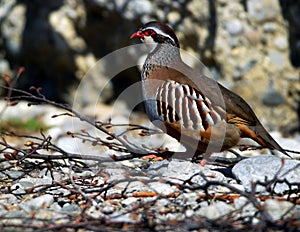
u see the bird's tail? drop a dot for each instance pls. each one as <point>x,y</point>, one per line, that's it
<point>267,141</point>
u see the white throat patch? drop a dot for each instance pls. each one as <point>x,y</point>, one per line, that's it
<point>149,42</point>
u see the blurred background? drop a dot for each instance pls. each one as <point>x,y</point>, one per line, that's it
<point>251,46</point>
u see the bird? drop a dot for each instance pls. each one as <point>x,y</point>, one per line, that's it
<point>196,110</point>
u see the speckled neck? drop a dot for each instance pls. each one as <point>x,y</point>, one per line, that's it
<point>163,56</point>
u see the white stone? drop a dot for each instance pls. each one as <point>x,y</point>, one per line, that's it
<point>262,167</point>
<point>38,202</point>
<point>215,210</point>
<point>278,209</point>
<point>281,43</point>
<point>234,27</point>
<point>261,10</point>
<point>173,17</point>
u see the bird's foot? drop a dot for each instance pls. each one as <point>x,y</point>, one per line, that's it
<point>203,162</point>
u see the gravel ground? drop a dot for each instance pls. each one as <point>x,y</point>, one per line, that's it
<point>72,182</point>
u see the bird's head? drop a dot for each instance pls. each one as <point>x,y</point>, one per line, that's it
<point>156,32</point>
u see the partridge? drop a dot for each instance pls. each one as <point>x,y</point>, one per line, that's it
<point>196,110</point>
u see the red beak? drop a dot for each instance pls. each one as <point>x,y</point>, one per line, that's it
<point>138,34</point>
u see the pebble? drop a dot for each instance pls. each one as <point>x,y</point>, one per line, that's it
<point>4,66</point>
<point>55,207</point>
<point>59,192</point>
<point>138,7</point>
<point>253,36</point>
<point>272,98</point>
<point>129,201</point>
<point>158,168</point>
<point>234,27</point>
<point>249,65</point>
<point>71,209</point>
<point>173,17</point>
<point>183,170</point>
<point>269,27</point>
<point>14,174</point>
<point>215,210</point>
<point>279,209</point>
<point>121,217</point>
<point>8,199</point>
<point>262,10</point>
<point>76,146</point>
<point>277,58</point>
<point>108,209</point>
<point>162,188</point>
<point>281,43</point>
<point>17,189</point>
<point>246,207</point>
<point>36,203</point>
<point>14,217</point>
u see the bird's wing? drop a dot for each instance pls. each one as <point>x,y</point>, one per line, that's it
<point>237,110</point>
<point>181,102</point>
<point>192,119</point>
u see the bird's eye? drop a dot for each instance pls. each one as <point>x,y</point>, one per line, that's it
<point>149,32</point>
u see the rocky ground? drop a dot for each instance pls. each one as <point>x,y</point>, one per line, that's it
<point>252,47</point>
<point>71,181</point>
<point>76,176</point>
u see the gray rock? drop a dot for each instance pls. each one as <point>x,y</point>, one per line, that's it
<point>4,66</point>
<point>277,58</point>
<point>215,210</point>
<point>262,10</point>
<point>59,192</point>
<point>55,207</point>
<point>14,174</point>
<point>281,43</point>
<point>116,173</point>
<point>249,65</point>
<point>12,28</point>
<point>183,170</point>
<point>234,27</point>
<point>245,206</point>
<point>29,182</point>
<point>138,7</point>
<point>272,97</point>
<point>3,211</point>
<point>122,217</point>
<point>18,189</point>
<point>71,209</point>
<point>38,202</point>
<point>108,209</point>
<point>26,184</point>
<point>8,199</point>
<point>162,188</point>
<point>5,8</point>
<point>14,217</point>
<point>158,168</point>
<point>134,186</point>
<point>127,202</point>
<point>233,41</point>
<point>279,209</point>
<point>269,27</point>
<point>266,167</point>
